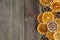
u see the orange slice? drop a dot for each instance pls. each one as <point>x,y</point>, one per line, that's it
<point>39,18</point>
<point>55,0</point>
<point>58,22</point>
<point>54,13</point>
<point>52,26</point>
<point>45,2</point>
<point>57,35</point>
<point>42,28</point>
<point>49,35</point>
<point>47,17</point>
<point>55,6</point>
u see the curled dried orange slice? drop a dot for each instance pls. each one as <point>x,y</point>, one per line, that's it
<point>58,22</point>
<point>47,17</point>
<point>49,35</point>
<point>39,18</point>
<point>45,2</point>
<point>57,35</point>
<point>52,26</point>
<point>55,6</point>
<point>42,28</point>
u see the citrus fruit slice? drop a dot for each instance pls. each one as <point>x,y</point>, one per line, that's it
<point>55,6</point>
<point>39,18</point>
<point>49,35</point>
<point>42,28</point>
<point>52,26</point>
<point>45,2</point>
<point>58,22</point>
<point>55,0</point>
<point>47,17</point>
<point>54,13</point>
<point>57,35</point>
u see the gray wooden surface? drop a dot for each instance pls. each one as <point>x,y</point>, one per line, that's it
<point>32,9</point>
<point>18,20</point>
<point>11,19</point>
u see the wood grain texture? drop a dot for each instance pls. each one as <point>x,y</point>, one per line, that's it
<point>4,19</point>
<point>11,19</point>
<point>18,20</point>
<point>31,12</point>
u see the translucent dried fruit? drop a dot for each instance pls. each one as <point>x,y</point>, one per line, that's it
<point>58,22</point>
<point>39,18</point>
<point>42,28</point>
<point>57,35</point>
<point>55,0</point>
<point>52,26</point>
<point>54,13</point>
<point>47,17</point>
<point>55,6</point>
<point>45,2</point>
<point>49,35</point>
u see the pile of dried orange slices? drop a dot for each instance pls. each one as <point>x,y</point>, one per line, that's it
<point>49,21</point>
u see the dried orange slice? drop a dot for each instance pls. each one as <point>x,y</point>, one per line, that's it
<point>55,6</point>
<point>58,22</point>
<point>39,18</point>
<point>52,26</point>
<point>45,2</point>
<point>54,13</point>
<point>47,17</point>
<point>42,28</point>
<point>57,35</point>
<point>55,0</point>
<point>49,35</point>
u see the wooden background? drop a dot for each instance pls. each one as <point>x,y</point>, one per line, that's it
<point>18,20</point>
<point>32,9</point>
<point>11,19</point>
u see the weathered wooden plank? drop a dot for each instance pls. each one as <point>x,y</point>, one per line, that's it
<point>0,18</point>
<point>21,16</point>
<point>31,11</point>
<point>5,19</point>
<point>16,19</point>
